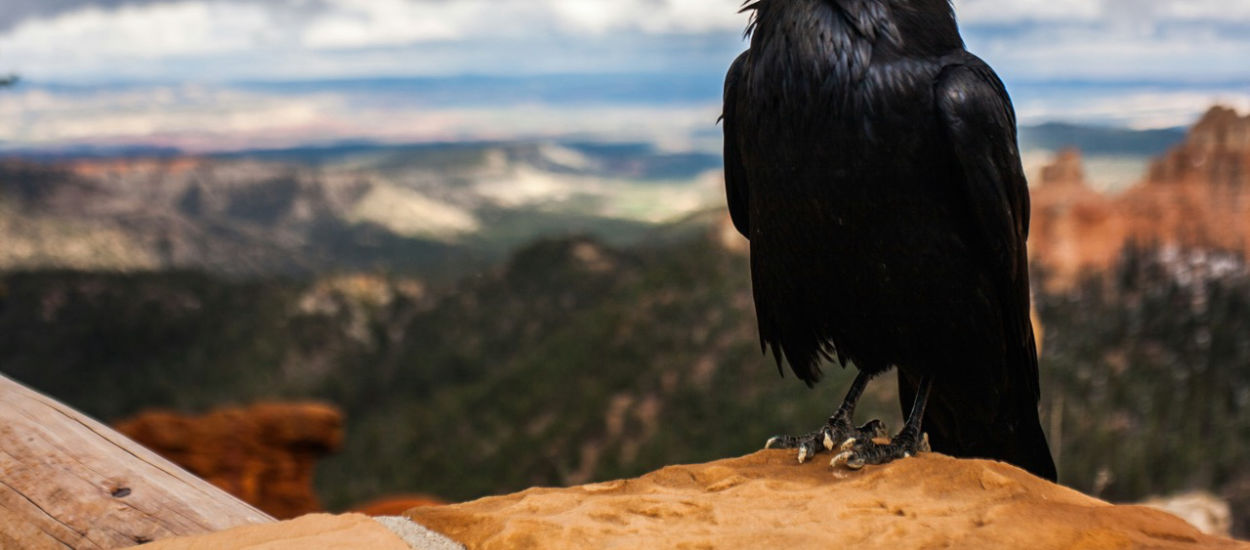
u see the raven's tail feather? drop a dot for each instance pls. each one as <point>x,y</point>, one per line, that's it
<point>965,421</point>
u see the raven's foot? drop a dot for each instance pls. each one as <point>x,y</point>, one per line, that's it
<point>833,434</point>
<point>857,453</point>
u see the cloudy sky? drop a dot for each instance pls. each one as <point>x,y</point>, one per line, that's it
<point>168,68</point>
<point>81,40</point>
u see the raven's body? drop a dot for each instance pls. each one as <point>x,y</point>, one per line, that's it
<point>872,163</point>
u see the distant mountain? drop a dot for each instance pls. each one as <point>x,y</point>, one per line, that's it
<point>562,89</point>
<point>1099,140</point>
<point>61,153</point>
<point>238,218</point>
<point>640,161</point>
<point>429,209</point>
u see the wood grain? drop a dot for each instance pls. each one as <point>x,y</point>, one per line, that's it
<point>67,481</point>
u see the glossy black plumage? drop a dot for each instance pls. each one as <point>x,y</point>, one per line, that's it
<point>872,162</point>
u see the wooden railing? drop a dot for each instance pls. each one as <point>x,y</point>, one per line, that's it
<point>67,481</point>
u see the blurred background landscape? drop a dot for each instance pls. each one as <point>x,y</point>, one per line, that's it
<point>325,251</point>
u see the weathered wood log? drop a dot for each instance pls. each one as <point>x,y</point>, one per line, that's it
<point>67,481</point>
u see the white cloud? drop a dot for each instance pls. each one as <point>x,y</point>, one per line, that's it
<point>1163,11</point>
<point>200,118</point>
<point>154,31</point>
<point>1104,11</point>
<point>227,39</point>
<point>355,24</point>
<point>654,16</point>
<point>1121,51</point>
<point>999,11</point>
<point>1135,109</point>
<point>222,40</point>
<point>319,38</point>
<point>185,116</point>
<point>351,23</point>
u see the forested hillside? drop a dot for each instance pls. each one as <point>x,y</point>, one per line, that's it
<point>577,361</point>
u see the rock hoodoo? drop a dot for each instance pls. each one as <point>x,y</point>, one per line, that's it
<point>263,454</point>
<point>1195,196</point>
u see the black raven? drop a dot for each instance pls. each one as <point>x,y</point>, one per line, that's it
<point>873,164</point>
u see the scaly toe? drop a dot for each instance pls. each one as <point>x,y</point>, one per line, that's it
<point>875,429</point>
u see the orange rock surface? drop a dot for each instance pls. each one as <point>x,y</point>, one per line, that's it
<point>263,454</point>
<point>1197,195</point>
<point>767,500</point>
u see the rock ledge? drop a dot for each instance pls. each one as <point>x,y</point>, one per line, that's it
<point>766,500</point>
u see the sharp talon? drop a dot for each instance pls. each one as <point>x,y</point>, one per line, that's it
<point>771,441</point>
<point>828,441</point>
<point>855,463</point>
<point>848,445</point>
<point>841,459</point>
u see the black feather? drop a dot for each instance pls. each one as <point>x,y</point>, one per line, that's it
<point>872,162</point>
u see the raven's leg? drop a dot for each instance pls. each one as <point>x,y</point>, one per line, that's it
<point>911,441</point>
<point>836,430</point>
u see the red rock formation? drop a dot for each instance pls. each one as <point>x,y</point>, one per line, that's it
<point>1074,228</point>
<point>396,505</point>
<point>1197,195</point>
<point>263,454</point>
<point>1066,170</point>
<point>1216,152</point>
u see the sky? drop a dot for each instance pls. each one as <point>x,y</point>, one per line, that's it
<point>212,74</point>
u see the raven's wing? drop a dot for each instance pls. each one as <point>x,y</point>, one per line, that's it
<point>736,190</point>
<point>980,127</point>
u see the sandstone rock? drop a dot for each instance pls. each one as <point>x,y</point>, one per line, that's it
<point>305,533</point>
<point>766,500</point>
<point>263,454</point>
<point>1203,510</point>
<point>1074,229</point>
<point>1066,169</point>
<point>1216,151</point>
<point>1195,196</point>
